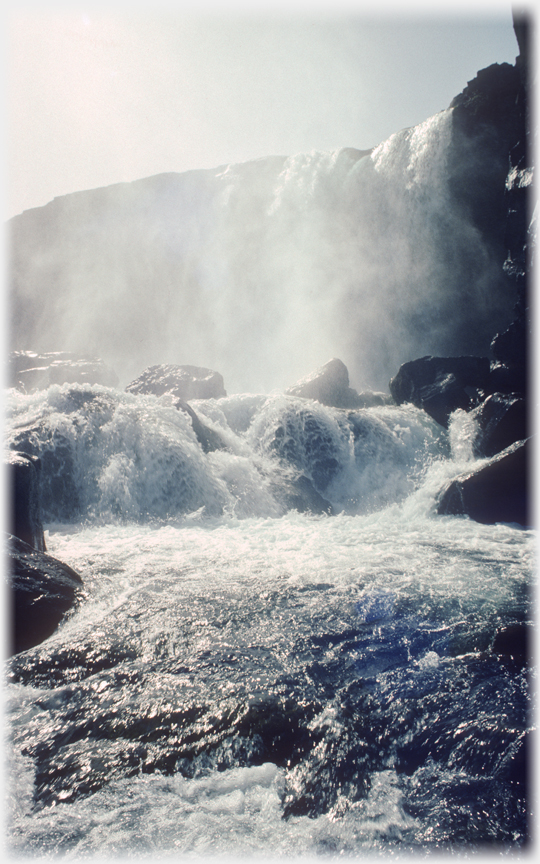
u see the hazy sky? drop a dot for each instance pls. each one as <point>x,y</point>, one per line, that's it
<point>102,94</point>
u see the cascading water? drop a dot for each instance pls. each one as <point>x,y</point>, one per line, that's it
<point>263,271</point>
<point>244,676</point>
<point>240,679</point>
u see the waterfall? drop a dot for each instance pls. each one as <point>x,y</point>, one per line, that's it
<point>264,270</point>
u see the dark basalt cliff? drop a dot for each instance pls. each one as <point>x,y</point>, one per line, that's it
<point>491,180</point>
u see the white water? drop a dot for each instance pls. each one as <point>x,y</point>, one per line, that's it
<point>263,271</point>
<point>217,597</point>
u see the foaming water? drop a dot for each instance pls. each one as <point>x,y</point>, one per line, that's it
<point>107,454</point>
<point>242,678</point>
<point>231,613</point>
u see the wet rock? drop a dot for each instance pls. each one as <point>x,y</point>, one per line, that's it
<point>502,420</point>
<point>506,379</point>
<point>185,382</point>
<point>495,492</point>
<point>513,641</point>
<point>440,385</point>
<point>488,121</point>
<point>302,439</point>
<point>24,512</point>
<point>41,591</point>
<point>59,495</point>
<point>209,439</point>
<point>29,371</point>
<point>300,494</point>
<point>510,348</point>
<point>330,386</point>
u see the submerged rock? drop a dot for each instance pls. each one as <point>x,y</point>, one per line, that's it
<point>41,591</point>
<point>24,499</point>
<point>185,382</point>
<point>304,439</point>
<point>29,371</point>
<point>300,494</point>
<point>440,385</point>
<point>208,438</point>
<point>495,492</point>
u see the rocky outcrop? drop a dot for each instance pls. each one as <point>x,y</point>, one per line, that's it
<point>185,382</point>
<point>502,420</point>
<point>495,492</point>
<point>28,371</point>
<point>330,385</point>
<point>41,591</point>
<point>24,512</point>
<point>490,178</point>
<point>60,498</point>
<point>440,385</point>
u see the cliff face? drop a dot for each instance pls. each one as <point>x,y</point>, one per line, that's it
<point>491,178</point>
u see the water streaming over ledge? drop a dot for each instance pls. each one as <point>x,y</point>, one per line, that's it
<point>264,270</point>
<point>245,679</point>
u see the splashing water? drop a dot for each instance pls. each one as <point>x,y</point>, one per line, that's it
<point>253,679</point>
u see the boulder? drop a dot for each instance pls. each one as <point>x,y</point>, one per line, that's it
<point>440,385</point>
<point>506,379</point>
<point>502,420</point>
<point>494,492</point>
<point>330,386</point>
<point>59,495</point>
<point>302,439</point>
<point>514,641</point>
<point>41,591</point>
<point>185,382</point>
<point>29,371</point>
<point>24,512</point>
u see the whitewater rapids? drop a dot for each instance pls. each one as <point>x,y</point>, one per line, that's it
<point>243,679</point>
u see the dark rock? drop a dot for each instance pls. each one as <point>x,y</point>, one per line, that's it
<point>495,492</point>
<point>42,590</point>
<point>59,495</point>
<point>510,346</point>
<point>330,386</point>
<point>302,439</point>
<point>440,385</point>
<point>185,382</point>
<point>513,641</point>
<point>24,512</point>
<point>208,438</point>
<point>487,123</point>
<point>502,420</point>
<point>506,379</point>
<point>29,371</point>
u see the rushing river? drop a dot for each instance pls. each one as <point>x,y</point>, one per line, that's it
<point>241,678</point>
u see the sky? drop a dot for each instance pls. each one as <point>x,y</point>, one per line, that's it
<point>97,94</point>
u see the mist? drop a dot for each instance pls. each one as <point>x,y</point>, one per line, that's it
<point>265,270</point>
